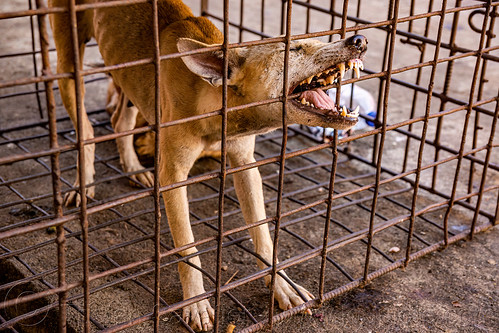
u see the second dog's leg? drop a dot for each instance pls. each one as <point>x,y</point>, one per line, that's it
<point>178,154</point>
<point>249,191</point>
<point>123,119</point>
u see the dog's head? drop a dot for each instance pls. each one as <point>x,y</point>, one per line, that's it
<point>256,73</point>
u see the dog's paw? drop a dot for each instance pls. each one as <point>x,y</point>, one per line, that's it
<point>199,316</point>
<point>74,198</point>
<point>146,177</point>
<point>288,297</point>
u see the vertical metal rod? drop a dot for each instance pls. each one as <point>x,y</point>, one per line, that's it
<point>382,84</point>
<point>485,167</point>
<point>483,80</point>
<point>204,7</point>
<point>466,121</point>
<point>307,19</point>
<point>424,132</point>
<point>343,34</point>
<point>35,65</point>
<point>393,34</point>
<point>223,166</point>
<point>262,18</point>
<point>418,78</point>
<point>358,13</point>
<point>445,90</point>
<point>352,85</point>
<point>331,10</point>
<point>496,215</point>
<point>284,98</point>
<point>283,8</point>
<point>241,20</point>
<point>77,77</point>
<point>327,222</point>
<point>156,193</point>
<point>55,166</point>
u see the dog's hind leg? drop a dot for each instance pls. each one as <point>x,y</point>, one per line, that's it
<point>179,151</point>
<point>248,184</point>
<point>65,64</point>
<point>123,119</point>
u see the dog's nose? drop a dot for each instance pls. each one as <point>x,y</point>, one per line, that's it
<point>358,41</point>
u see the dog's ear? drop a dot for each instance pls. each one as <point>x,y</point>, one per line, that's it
<point>209,65</point>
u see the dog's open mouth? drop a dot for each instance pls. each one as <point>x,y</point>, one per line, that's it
<point>313,99</point>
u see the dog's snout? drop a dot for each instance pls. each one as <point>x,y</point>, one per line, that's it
<point>358,41</point>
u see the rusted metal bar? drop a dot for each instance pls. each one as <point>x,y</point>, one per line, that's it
<point>423,135</point>
<point>241,21</point>
<point>81,176</point>
<point>33,58</point>
<point>223,161</point>
<point>157,140</point>
<point>262,17</point>
<point>466,121</point>
<point>476,128</point>
<point>394,16</point>
<point>485,169</point>
<point>282,161</point>
<point>448,77</point>
<point>56,172</point>
<point>422,49</point>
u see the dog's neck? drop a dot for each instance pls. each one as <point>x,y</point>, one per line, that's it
<point>240,122</point>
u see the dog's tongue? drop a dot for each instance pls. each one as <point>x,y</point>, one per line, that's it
<point>319,98</point>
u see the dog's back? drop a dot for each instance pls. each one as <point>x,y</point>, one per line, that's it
<point>132,26</point>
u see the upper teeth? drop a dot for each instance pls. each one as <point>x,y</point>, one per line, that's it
<point>324,79</point>
<point>341,67</point>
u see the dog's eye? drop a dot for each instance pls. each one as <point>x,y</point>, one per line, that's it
<point>296,48</point>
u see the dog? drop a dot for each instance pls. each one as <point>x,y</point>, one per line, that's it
<point>190,86</point>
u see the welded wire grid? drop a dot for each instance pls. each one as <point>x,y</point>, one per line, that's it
<point>423,177</point>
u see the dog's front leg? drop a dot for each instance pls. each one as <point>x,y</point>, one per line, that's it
<point>249,191</point>
<point>177,159</point>
<point>65,64</point>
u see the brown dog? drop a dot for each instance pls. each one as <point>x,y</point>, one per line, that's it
<point>190,86</point>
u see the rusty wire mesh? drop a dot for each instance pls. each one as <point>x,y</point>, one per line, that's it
<point>424,176</point>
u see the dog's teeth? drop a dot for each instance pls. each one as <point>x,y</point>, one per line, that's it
<point>322,82</point>
<point>303,100</point>
<point>361,65</point>
<point>307,103</point>
<point>351,64</point>
<point>343,111</point>
<point>330,79</point>
<point>341,67</point>
<point>312,105</point>
<point>356,110</point>
<point>308,80</point>
<point>357,72</point>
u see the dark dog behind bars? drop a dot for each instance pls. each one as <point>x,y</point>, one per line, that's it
<point>344,207</point>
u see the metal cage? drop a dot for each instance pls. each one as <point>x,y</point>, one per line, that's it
<point>422,174</point>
